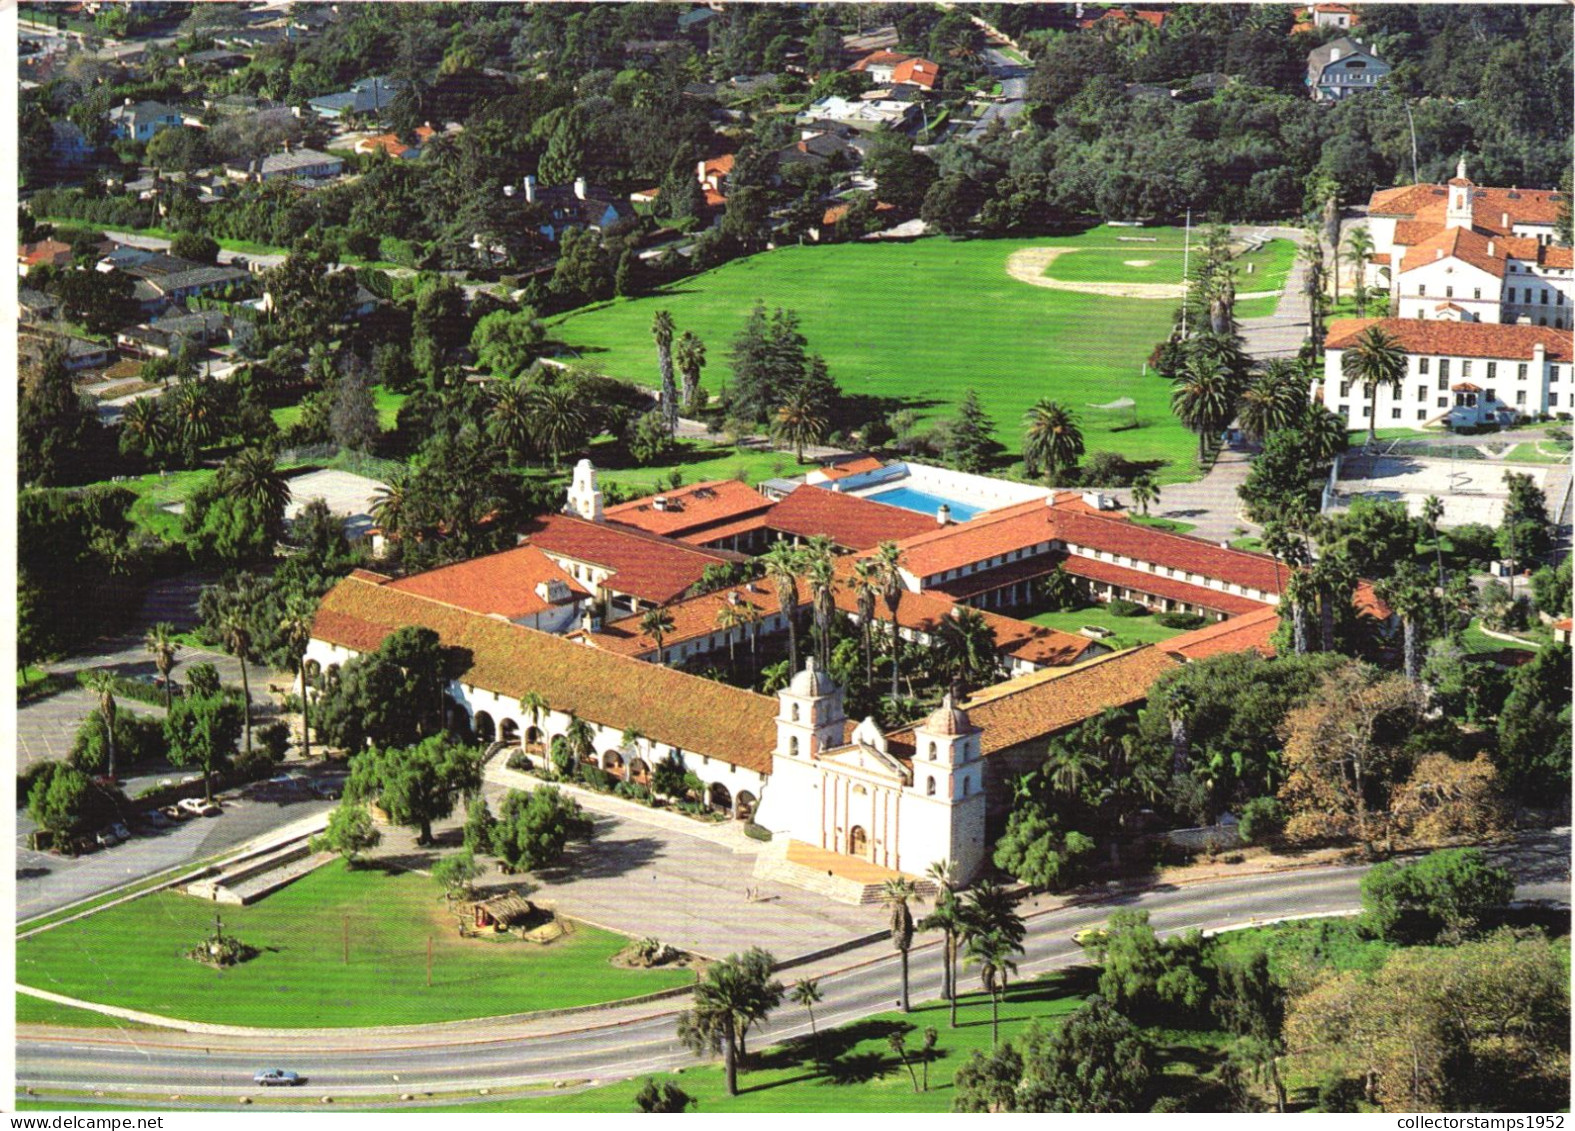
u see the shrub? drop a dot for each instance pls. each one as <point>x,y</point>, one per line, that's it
<point>1262,820</point>
<point>519,760</point>
<point>1122,608</point>
<point>1185,621</point>
<point>634,791</point>
<point>1444,893</point>
<point>138,738</point>
<point>273,737</point>
<point>595,777</point>
<point>757,832</point>
<point>259,764</point>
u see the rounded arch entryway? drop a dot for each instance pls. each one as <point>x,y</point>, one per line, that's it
<point>509,732</point>
<point>639,772</point>
<point>721,797</point>
<point>612,762</point>
<point>744,807</point>
<point>858,841</point>
<point>482,723</point>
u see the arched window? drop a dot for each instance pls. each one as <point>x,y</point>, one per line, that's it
<point>793,745</point>
<point>929,787</point>
<point>932,751</point>
<point>795,712</point>
<point>966,783</point>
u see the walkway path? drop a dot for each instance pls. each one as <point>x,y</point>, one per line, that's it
<point>1281,334</point>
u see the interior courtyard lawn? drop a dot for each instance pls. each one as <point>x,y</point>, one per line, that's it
<point>133,955</point>
<point>696,461</point>
<point>917,324</point>
<point>387,402</point>
<point>1130,631</point>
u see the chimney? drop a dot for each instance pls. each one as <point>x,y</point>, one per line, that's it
<point>591,619</point>
<point>127,102</point>
<point>659,503</point>
<point>530,189</point>
<point>1438,253</point>
<point>943,514</point>
<point>700,171</point>
<point>1490,249</point>
<point>1505,223</point>
<point>508,190</point>
<point>579,188</point>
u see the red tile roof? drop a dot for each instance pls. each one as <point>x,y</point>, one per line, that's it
<point>50,251</point>
<point>920,72</point>
<point>879,59</point>
<point>670,707</point>
<point>1108,573</point>
<point>689,509</point>
<point>1119,16</point>
<point>503,584</point>
<point>719,166</point>
<point>1461,339</point>
<point>1252,631</point>
<point>852,467</point>
<point>849,521</point>
<point>1486,253</point>
<point>643,565</point>
<point>1429,203</point>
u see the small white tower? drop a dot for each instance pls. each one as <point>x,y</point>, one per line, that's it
<point>1458,212</point>
<point>809,714</point>
<point>948,772</point>
<point>585,497</point>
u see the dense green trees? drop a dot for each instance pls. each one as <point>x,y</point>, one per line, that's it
<point>392,697</point>
<point>201,731</point>
<point>415,785</point>
<point>1444,894</point>
<point>533,829</point>
<point>350,832</point>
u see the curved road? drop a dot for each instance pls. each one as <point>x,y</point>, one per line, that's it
<point>157,1064</point>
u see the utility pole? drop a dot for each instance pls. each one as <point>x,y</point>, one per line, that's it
<point>1186,281</point>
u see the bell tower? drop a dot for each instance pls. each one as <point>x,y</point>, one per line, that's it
<point>809,714</point>
<point>585,495</point>
<point>1458,212</point>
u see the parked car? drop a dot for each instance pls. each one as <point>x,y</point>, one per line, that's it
<point>197,807</point>
<point>175,813</point>
<point>157,818</point>
<point>280,1076</point>
<point>1091,937</point>
<point>331,789</point>
<point>107,838</point>
<point>119,829</point>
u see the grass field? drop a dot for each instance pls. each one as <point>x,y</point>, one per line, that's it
<point>1137,263</point>
<point>36,1011</point>
<point>1130,631</point>
<point>917,325</point>
<point>697,461</point>
<point>1477,641</point>
<point>154,491</point>
<point>133,955</point>
<point>388,404</point>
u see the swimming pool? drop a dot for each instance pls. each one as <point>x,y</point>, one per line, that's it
<point>922,501</point>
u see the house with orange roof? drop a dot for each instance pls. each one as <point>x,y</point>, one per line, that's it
<point>390,144</point>
<point>892,68</point>
<point>523,586</point>
<point>42,253</point>
<point>688,513</point>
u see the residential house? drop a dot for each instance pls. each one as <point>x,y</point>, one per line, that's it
<point>1115,18</point>
<point>859,113</point>
<point>79,353</point>
<point>42,253</point>
<point>579,205</point>
<point>304,165</point>
<point>1343,67</point>
<point>164,279</point>
<point>70,146</point>
<point>36,306</point>
<point>1338,16</point>
<point>366,98</point>
<point>390,144</point>
<point>139,121</point>
<point>888,68</point>
<point>1458,374</point>
<point>175,333</point>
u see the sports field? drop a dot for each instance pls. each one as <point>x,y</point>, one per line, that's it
<point>919,324</point>
<point>134,956</point>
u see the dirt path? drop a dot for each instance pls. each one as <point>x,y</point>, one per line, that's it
<point>1028,266</point>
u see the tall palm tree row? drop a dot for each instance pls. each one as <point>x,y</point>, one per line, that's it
<point>295,628</point>
<point>821,573</point>
<point>159,642</point>
<point>102,683</point>
<point>866,591</point>
<point>1358,248</point>
<point>947,917</point>
<point>689,355</point>
<point>1377,360</point>
<point>992,939</point>
<point>662,331</point>
<point>889,557</point>
<point>897,891</point>
<point>784,562</point>
<point>1052,439</point>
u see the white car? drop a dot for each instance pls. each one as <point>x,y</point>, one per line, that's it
<point>279,1076</point>
<point>197,807</point>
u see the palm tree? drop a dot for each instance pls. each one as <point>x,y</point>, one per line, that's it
<point>1325,432</point>
<point>579,740</point>
<point>144,422</point>
<point>511,416</point>
<point>889,556</point>
<point>253,476</point>
<point>1335,579</point>
<point>896,892</point>
<point>1358,247</point>
<point>159,641</point>
<point>560,420</point>
<point>390,502</point>
<point>1376,358</point>
<point>662,331</point>
<point>806,992</point>
<point>800,420</point>
<point>656,623</point>
<point>964,648</point>
<point>993,937</point>
<point>784,562</point>
<point>1409,592</point>
<point>947,917</point>
<point>194,415</point>
<point>235,628</point>
<point>1145,492</point>
<point>821,573</point>
<point>730,618</point>
<point>103,682</point>
<point>1051,438</point>
<point>735,993</point>
<point>1432,515</point>
<point>1301,593</point>
<point>1273,400</point>
<point>1313,284</point>
<point>866,591</point>
<point>690,357</point>
<point>1072,765</point>
<point>534,704</point>
<point>295,630</point>
<point>1204,397</point>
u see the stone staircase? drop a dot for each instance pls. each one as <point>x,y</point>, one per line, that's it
<point>834,883</point>
<point>248,881</point>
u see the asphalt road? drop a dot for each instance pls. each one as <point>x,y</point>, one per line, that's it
<point>136,1060</point>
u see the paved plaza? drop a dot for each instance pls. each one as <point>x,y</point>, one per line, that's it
<point>1473,490</point>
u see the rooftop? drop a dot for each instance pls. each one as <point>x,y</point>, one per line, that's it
<point>689,509</point>
<point>511,660</point>
<point>646,566</point>
<point>1459,339</point>
<point>502,584</point>
<point>850,522</point>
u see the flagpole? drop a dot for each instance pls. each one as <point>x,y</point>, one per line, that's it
<point>1186,281</point>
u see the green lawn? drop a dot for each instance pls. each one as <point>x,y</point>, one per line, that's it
<point>1127,263</point>
<point>697,461</point>
<point>1537,451</point>
<point>1475,640</point>
<point>1130,631</point>
<point>133,955</point>
<point>1174,526</point>
<point>36,1011</point>
<point>917,325</point>
<point>154,491</point>
<point>1270,266</point>
<point>388,404</point>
